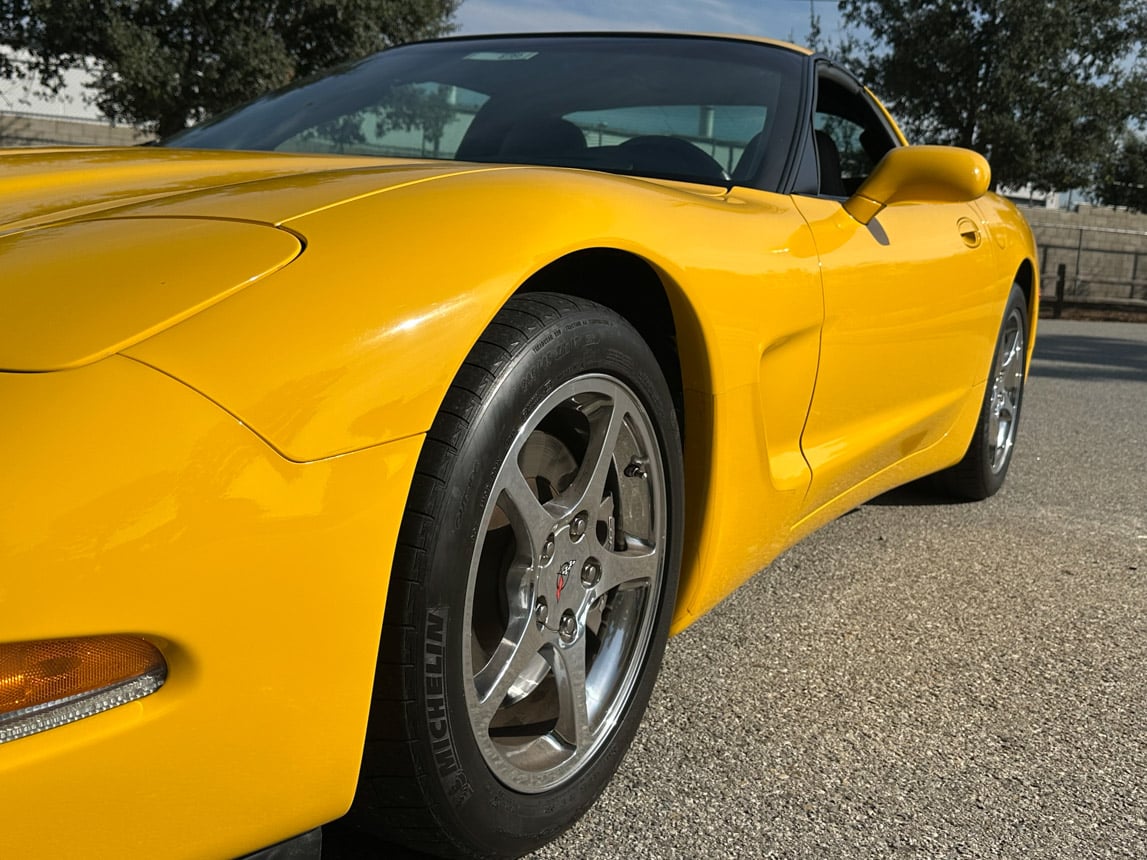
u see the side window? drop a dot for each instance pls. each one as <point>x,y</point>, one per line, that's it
<point>849,134</point>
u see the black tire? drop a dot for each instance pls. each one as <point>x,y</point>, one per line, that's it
<point>464,761</point>
<point>984,467</point>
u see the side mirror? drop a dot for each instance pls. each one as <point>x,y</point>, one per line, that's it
<point>920,174</point>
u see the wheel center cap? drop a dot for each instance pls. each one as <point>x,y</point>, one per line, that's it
<point>563,576</point>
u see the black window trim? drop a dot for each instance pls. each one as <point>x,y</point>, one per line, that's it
<point>821,67</point>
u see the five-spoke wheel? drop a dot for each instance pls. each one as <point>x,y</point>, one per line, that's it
<point>564,583</point>
<point>1007,385</point>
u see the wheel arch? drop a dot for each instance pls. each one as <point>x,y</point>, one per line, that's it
<point>628,285</point>
<point>653,303</point>
<point>1025,277</point>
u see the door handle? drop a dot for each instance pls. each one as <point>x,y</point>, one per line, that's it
<point>969,232</point>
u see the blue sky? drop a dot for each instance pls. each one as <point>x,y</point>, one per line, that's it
<point>778,19</point>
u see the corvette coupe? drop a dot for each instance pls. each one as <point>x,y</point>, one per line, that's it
<point>364,445</point>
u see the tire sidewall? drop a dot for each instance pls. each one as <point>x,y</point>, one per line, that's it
<point>460,784</point>
<point>994,480</point>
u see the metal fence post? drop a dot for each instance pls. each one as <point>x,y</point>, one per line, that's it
<point>1060,286</point>
<point>1078,261</point>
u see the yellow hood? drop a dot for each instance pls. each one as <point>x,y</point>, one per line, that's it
<point>100,249</point>
<point>40,186</point>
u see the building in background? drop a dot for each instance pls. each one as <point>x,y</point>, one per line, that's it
<point>31,116</point>
<point>24,128</point>
<point>1030,198</point>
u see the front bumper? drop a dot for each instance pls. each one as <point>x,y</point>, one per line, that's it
<point>131,504</point>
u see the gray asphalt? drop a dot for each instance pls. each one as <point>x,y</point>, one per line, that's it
<point>925,679</point>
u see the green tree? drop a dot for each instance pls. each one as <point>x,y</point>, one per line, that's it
<point>1043,88</point>
<point>165,63</point>
<point>1122,179</point>
<point>409,107</point>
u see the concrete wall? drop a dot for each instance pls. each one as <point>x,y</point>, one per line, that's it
<point>1104,252</point>
<point>17,129</point>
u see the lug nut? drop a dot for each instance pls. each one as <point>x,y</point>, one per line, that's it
<point>577,526</point>
<point>541,612</point>
<point>590,573</point>
<point>567,629</point>
<point>548,550</point>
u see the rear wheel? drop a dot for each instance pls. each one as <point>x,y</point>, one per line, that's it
<point>981,472</point>
<point>532,589</point>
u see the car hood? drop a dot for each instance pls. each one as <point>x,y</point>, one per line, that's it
<point>103,248</point>
<point>43,186</point>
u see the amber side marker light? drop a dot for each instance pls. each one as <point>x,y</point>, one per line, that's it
<point>49,683</point>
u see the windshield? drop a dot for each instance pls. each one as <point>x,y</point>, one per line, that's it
<point>708,110</point>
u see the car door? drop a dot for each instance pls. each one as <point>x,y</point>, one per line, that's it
<point>908,299</point>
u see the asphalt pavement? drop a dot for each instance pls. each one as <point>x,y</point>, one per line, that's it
<point>922,679</point>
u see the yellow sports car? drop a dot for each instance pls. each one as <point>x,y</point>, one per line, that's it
<point>366,443</point>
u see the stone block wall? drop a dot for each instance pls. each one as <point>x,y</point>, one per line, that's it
<point>1104,252</point>
<point>18,129</point>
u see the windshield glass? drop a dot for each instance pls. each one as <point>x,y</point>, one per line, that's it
<point>708,110</point>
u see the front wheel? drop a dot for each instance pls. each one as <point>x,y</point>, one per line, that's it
<point>981,472</point>
<point>533,585</point>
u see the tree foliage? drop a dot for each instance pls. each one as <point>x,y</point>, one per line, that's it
<point>1122,179</point>
<point>409,107</point>
<point>1043,88</point>
<point>165,63</point>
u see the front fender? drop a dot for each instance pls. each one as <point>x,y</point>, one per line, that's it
<point>356,343</point>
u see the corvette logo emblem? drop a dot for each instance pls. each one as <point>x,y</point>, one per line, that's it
<point>563,577</point>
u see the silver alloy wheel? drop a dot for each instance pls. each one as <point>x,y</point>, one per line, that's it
<point>1007,386</point>
<point>565,582</point>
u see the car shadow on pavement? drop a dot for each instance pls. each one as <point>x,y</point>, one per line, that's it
<point>345,840</point>
<point>919,494</point>
<point>1083,357</point>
